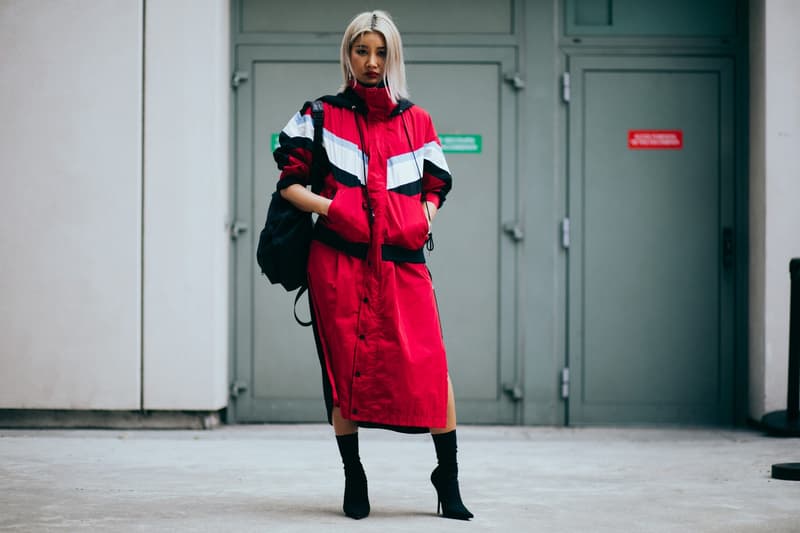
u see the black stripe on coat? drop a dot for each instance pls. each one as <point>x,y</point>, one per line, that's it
<point>344,177</point>
<point>409,189</point>
<point>284,152</point>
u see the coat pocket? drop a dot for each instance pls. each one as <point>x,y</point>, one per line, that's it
<point>347,215</point>
<point>408,226</point>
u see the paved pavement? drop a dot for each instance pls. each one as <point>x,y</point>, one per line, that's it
<point>289,478</point>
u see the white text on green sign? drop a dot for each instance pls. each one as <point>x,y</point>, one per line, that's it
<point>461,143</point>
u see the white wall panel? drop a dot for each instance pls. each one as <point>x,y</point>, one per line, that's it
<point>185,204</point>
<point>70,204</point>
<point>782,136</point>
<point>774,194</point>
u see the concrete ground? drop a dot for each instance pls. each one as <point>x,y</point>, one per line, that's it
<point>289,478</point>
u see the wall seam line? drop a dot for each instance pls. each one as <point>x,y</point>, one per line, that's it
<point>142,213</point>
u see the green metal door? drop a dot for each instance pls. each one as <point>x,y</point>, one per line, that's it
<point>275,372</point>
<point>650,205</point>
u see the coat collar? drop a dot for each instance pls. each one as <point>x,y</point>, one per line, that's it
<point>369,101</point>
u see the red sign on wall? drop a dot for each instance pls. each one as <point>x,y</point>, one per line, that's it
<point>655,139</point>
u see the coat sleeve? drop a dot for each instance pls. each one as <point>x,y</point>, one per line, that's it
<point>436,178</point>
<point>293,154</point>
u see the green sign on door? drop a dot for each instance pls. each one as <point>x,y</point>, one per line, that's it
<point>461,143</point>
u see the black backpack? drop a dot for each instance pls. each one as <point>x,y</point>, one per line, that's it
<point>284,242</point>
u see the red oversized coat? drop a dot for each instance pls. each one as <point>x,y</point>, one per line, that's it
<point>376,319</point>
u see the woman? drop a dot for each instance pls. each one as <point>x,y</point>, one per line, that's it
<point>376,321</point>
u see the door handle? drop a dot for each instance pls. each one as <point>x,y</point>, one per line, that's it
<point>514,230</point>
<point>236,228</point>
<point>514,391</point>
<point>727,248</point>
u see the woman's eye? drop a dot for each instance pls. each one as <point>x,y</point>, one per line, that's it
<point>382,53</point>
<point>361,52</point>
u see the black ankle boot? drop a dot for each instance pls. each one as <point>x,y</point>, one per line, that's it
<point>445,478</point>
<point>356,499</point>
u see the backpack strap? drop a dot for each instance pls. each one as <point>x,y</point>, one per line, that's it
<point>318,120</point>
<point>303,288</point>
<point>315,175</point>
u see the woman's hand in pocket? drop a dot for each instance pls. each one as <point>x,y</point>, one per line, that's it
<point>305,200</point>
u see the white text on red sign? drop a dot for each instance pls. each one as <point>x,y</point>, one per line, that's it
<point>655,139</point>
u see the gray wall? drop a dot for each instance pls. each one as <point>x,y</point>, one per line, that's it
<point>70,160</point>
<point>186,182</point>
<point>114,165</point>
<point>542,141</point>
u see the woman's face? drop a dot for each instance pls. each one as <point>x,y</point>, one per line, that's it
<point>368,58</point>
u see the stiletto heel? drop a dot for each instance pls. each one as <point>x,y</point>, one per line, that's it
<point>448,494</point>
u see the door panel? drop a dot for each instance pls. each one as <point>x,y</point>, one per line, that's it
<point>649,316</point>
<point>467,246</point>
<point>274,357</point>
<point>278,359</point>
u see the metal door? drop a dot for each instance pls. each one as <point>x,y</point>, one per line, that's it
<point>276,373</point>
<point>651,209</point>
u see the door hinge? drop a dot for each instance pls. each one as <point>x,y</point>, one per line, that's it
<point>236,228</point>
<point>565,233</point>
<point>515,80</point>
<point>514,391</point>
<point>565,383</point>
<point>565,87</point>
<point>237,388</point>
<point>514,230</point>
<point>238,78</point>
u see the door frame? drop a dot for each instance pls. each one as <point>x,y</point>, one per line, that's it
<point>724,66</point>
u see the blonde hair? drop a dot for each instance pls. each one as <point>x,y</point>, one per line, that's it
<point>395,68</point>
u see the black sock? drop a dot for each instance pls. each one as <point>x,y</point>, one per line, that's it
<point>348,449</point>
<point>446,448</point>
